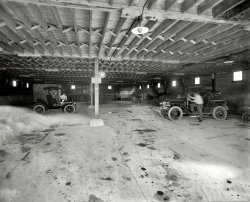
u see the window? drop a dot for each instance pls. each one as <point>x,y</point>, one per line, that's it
<point>109,87</point>
<point>174,83</point>
<point>159,85</point>
<point>139,87</point>
<point>14,83</point>
<point>197,80</point>
<point>148,86</point>
<point>237,76</point>
<point>73,87</point>
<point>27,85</point>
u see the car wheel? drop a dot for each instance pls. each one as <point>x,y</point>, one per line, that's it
<point>246,117</point>
<point>135,101</point>
<point>175,113</point>
<point>219,113</point>
<point>164,113</point>
<point>156,102</point>
<point>39,108</point>
<point>69,109</point>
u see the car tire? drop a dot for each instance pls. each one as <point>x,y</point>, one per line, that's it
<point>219,113</point>
<point>39,108</point>
<point>135,101</point>
<point>69,109</point>
<point>175,113</point>
<point>246,117</point>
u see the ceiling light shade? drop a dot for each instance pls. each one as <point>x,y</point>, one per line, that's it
<point>140,30</point>
<point>228,62</point>
<point>102,74</point>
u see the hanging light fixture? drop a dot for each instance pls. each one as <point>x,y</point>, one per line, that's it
<point>228,60</point>
<point>140,29</point>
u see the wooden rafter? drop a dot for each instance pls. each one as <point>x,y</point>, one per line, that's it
<point>124,40</point>
<point>103,32</point>
<point>205,5</point>
<point>60,28</point>
<point>224,6</point>
<point>90,32</point>
<point>6,47</point>
<point>151,4</point>
<point>151,25</point>
<point>76,31</point>
<point>169,4</point>
<point>189,4</point>
<point>131,2</point>
<point>117,31</point>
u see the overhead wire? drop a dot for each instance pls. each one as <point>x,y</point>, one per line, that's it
<point>138,18</point>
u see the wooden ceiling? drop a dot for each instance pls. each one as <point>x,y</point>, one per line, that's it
<point>57,40</point>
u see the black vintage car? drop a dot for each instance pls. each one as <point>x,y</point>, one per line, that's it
<point>174,109</point>
<point>53,102</point>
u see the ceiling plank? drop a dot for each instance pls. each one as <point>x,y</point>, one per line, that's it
<point>151,4</point>
<point>151,25</point>
<point>237,10</point>
<point>169,4</point>
<point>13,32</point>
<point>90,32</point>
<point>103,33</point>
<point>76,31</point>
<point>158,14</point>
<point>125,39</point>
<point>189,4</point>
<point>6,47</point>
<point>131,2</point>
<point>7,18</point>
<point>205,5</point>
<point>60,28</point>
<point>117,31</point>
<point>36,10</point>
<point>224,6</point>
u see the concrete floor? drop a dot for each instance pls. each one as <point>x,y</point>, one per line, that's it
<point>138,156</point>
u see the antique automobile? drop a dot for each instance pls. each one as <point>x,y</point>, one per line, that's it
<point>246,115</point>
<point>53,102</point>
<point>174,109</point>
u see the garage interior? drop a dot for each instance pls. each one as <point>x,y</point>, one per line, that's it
<point>104,54</point>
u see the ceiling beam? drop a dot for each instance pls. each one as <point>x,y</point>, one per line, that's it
<point>76,31</point>
<point>125,39</point>
<point>90,32</point>
<point>205,5</point>
<point>224,6</point>
<point>189,4</point>
<point>169,4</point>
<point>60,28</point>
<point>237,10</point>
<point>103,33</point>
<point>6,47</point>
<point>117,31</point>
<point>151,25</point>
<point>158,14</point>
<point>131,2</point>
<point>151,4</point>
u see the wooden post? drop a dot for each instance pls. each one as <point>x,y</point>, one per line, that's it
<point>91,94</point>
<point>96,90</point>
<point>213,82</point>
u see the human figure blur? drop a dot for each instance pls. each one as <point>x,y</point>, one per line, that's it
<point>197,101</point>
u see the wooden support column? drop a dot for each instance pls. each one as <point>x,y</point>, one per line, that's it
<point>91,95</point>
<point>96,80</point>
<point>96,90</point>
<point>213,82</point>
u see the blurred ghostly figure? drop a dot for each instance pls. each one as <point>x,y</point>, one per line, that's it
<point>63,97</point>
